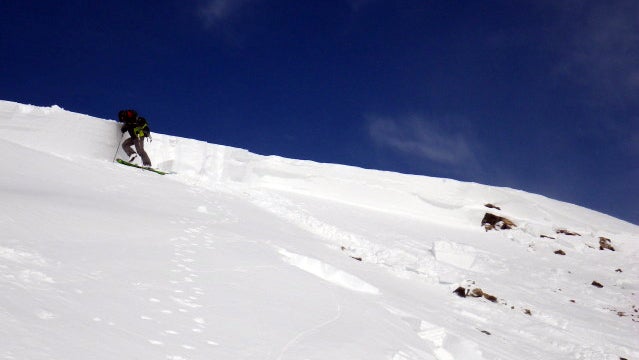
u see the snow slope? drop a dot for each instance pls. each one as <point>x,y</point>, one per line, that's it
<point>242,256</point>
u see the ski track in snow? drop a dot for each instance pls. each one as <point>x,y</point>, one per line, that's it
<point>304,333</point>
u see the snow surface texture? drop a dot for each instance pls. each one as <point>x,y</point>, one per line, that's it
<point>242,256</point>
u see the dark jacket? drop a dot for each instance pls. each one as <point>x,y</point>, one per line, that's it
<point>136,126</point>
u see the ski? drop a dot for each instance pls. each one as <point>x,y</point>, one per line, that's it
<point>143,167</point>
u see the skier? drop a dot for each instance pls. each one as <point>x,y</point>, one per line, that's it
<point>138,130</point>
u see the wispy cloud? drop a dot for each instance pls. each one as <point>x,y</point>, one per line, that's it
<point>216,12</point>
<point>416,136</point>
<point>599,43</point>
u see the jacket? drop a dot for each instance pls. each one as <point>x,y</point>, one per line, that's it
<point>137,127</point>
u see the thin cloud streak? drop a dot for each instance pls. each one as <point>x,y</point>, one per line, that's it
<point>418,137</point>
<point>601,50</point>
<point>214,12</point>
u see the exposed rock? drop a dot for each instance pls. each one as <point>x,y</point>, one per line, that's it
<point>476,292</point>
<point>491,206</point>
<point>605,243</point>
<point>460,291</point>
<point>618,270</point>
<point>596,284</point>
<point>485,332</point>
<point>491,221</point>
<point>560,252</point>
<point>527,312</point>
<point>546,237</point>
<point>490,297</point>
<point>567,232</point>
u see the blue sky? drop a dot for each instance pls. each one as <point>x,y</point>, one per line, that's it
<point>541,96</point>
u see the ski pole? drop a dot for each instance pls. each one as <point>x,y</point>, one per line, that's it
<point>117,147</point>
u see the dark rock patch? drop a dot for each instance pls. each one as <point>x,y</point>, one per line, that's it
<point>475,292</point>
<point>491,222</point>
<point>460,291</point>
<point>605,244</point>
<point>567,232</point>
<point>491,206</point>
<point>490,298</point>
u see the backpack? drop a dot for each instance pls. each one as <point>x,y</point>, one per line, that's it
<point>127,115</point>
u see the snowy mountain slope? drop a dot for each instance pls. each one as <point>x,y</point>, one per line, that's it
<point>242,256</point>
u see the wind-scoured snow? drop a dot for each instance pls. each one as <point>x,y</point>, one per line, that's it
<point>244,256</point>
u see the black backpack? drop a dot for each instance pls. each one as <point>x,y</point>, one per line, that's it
<point>127,115</point>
